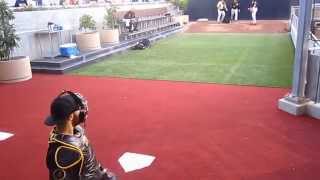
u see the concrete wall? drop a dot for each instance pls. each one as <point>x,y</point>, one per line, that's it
<point>56,2</point>
<point>29,23</point>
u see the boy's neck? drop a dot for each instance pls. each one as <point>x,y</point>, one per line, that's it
<point>67,129</point>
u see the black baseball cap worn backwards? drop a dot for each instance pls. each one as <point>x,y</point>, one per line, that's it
<point>61,107</point>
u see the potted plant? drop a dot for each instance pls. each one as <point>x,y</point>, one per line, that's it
<point>12,69</point>
<point>110,31</point>
<point>182,5</point>
<point>88,39</point>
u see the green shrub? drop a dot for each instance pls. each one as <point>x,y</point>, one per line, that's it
<point>87,23</point>
<point>182,4</point>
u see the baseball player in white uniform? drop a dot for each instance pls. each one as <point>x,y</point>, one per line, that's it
<point>235,9</point>
<point>222,8</point>
<point>253,8</point>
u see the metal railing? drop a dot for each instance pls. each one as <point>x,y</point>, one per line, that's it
<point>312,90</point>
<point>314,40</point>
<point>146,26</point>
<point>146,22</point>
<point>313,78</point>
<point>294,27</point>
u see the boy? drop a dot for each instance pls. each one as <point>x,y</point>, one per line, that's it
<point>70,155</point>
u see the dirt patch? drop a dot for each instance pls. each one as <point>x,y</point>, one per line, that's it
<point>263,26</point>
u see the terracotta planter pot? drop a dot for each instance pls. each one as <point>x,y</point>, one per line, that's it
<point>109,35</point>
<point>88,41</point>
<point>15,70</point>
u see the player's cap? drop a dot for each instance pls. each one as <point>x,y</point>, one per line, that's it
<point>61,107</point>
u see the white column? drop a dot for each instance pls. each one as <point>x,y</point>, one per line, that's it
<point>296,103</point>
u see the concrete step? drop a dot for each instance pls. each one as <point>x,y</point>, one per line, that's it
<point>60,66</point>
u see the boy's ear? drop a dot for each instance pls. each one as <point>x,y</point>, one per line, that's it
<point>71,116</point>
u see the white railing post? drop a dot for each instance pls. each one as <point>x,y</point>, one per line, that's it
<point>296,102</point>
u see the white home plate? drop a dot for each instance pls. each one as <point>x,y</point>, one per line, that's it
<point>133,161</point>
<point>4,136</point>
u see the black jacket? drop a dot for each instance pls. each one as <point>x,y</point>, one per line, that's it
<point>71,157</point>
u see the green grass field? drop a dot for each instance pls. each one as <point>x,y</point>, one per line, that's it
<point>242,59</point>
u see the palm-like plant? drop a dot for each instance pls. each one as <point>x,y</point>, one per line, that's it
<point>110,19</point>
<point>8,38</point>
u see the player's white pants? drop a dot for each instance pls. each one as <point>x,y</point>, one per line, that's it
<point>254,15</point>
<point>221,15</point>
<point>234,14</point>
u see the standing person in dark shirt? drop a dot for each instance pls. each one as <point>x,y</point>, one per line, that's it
<point>70,155</point>
<point>235,10</point>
